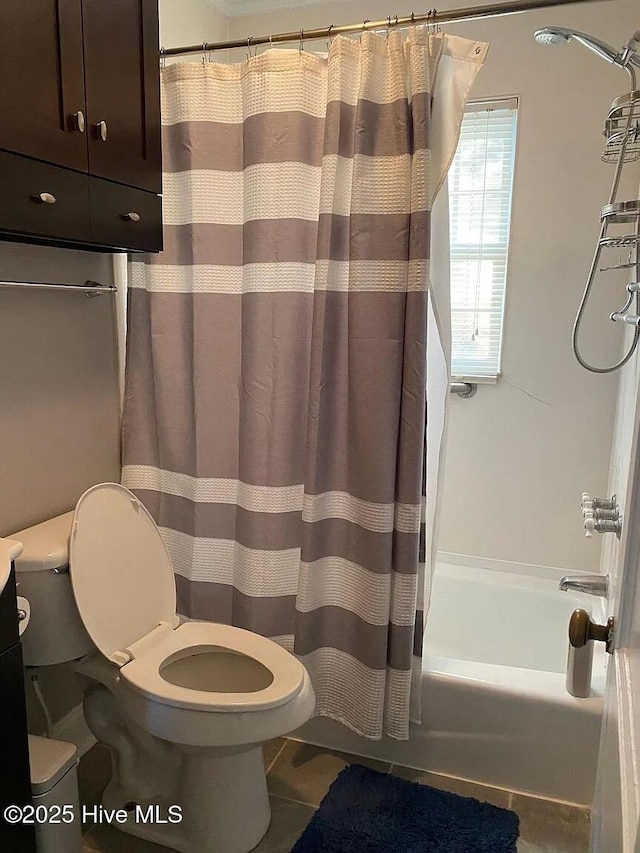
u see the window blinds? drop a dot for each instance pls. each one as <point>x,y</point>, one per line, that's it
<point>480,192</point>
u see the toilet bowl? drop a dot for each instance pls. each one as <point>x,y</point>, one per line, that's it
<point>184,707</point>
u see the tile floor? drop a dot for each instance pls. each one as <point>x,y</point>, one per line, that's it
<point>300,775</point>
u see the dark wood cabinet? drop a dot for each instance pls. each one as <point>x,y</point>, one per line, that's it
<point>43,200</point>
<point>80,91</point>
<point>123,103</point>
<point>125,216</point>
<point>42,98</point>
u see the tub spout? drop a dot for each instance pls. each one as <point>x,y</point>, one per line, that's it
<point>590,584</point>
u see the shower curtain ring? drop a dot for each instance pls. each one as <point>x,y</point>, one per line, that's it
<point>329,28</point>
<point>388,26</point>
<point>163,58</point>
<point>301,45</point>
<point>204,52</point>
<point>249,40</point>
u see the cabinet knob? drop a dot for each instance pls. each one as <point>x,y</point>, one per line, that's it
<point>131,217</point>
<point>102,130</point>
<point>79,121</point>
<point>44,198</point>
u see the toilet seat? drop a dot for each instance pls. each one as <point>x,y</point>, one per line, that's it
<point>124,587</point>
<point>120,569</point>
<point>145,674</point>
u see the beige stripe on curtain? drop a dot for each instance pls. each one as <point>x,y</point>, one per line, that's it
<point>275,394</point>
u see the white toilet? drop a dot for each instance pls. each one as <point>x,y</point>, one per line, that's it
<point>183,707</point>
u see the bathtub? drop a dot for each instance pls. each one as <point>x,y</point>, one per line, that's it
<point>494,705</point>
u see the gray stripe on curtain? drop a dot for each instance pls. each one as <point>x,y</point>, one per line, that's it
<point>360,237</point>
<point>281,531</point>
<point>248,372</point>
<point>277,615</point>
<point>381,130</point>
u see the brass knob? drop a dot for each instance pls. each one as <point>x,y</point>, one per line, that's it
<point>582,630</point>
<point>44,198</point>
<point>131,217</point>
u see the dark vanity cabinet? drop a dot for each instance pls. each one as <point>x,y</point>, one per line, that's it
<point>80,156</point>
<point>15,781</point>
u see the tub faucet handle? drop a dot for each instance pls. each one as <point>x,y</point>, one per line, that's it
<point>595,504</point>
<point>601,515</point>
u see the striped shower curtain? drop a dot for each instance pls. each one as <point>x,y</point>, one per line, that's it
<point>275,392</point>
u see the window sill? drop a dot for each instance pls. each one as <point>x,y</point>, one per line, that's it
<point>477,380</point>
<point>467,386</point>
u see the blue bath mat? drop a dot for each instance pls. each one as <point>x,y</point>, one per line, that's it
<point>369,812</point>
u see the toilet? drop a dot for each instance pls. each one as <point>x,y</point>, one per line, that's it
<point>184,707</point>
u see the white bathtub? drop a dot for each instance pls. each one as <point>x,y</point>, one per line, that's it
<point>494,705</point>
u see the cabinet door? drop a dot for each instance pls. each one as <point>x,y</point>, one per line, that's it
<point>41,80</point>
<point>122,77</point>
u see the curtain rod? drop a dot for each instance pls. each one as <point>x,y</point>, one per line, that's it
<point>431,17</point>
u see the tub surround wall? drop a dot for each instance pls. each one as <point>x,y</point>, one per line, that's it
<point>521,452</point>
<point>609,797</point>
<point>619,468</point>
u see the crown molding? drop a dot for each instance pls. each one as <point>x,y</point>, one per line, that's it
<point>242,8</point>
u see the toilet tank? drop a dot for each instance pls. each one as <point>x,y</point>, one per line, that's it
<point>55,632</point>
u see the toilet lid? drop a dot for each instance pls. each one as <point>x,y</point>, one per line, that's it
<point>120,569</point>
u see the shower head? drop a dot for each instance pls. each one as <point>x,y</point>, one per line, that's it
<point>561,35</point>
<point>552,36</point>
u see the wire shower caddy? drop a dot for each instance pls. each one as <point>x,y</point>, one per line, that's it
<point>619,223</point>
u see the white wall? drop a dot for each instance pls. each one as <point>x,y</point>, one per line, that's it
<point>184,22</point>
<point>59,418</point>
<point>516,466</point>
<point>522,451</point>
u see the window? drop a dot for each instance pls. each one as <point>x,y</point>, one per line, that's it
<point>480,191</point>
